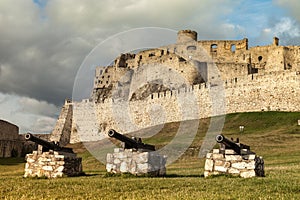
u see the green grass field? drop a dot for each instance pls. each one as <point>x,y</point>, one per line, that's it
<point>273,135</point>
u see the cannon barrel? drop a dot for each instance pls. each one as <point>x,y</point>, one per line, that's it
<point>47,145</point>
<point>130,143</point>
<point>228,143</point>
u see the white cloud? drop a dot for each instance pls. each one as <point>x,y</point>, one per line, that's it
<point>29,114</point>
<point>233,30</point>
<point>292,5</point>
<point>288,27</point>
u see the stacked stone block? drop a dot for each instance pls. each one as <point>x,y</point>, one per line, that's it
<point>229,162</point>
<point>135,162</point>
<point>52,164</point>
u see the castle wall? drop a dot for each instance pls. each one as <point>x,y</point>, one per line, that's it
<point>85,124</point>
<point>8,131</point>
<point>62,129</point>
<point>229,70</point>
<point>267,58</point>
<point>291,58</point>
<point>10,143</point>
<point>274,91</point>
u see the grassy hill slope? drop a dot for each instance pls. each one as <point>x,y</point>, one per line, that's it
<point>273,135</point>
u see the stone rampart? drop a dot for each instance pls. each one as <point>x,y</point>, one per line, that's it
<point>274,91</point>
<point>270,92</point>
<point>11,144</point>
<point>85,125</point>
<point>62,129</point>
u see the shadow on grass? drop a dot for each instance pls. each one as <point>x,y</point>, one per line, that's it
<point>128,175</point>
<point>184,176</point>
<point>11,161</point>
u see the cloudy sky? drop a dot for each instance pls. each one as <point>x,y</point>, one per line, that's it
<point>44,42</point>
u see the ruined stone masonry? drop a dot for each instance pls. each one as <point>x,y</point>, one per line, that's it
<point>269,92</point>
<point>11,144</point>
<point>199,76</point>
<point>62,130</point>
<point>135,162</point>
<point>52,164</point>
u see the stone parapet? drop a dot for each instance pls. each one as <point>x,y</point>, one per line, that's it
<point>245,166</point>
<point>135,162</point>
<point>52,164</point>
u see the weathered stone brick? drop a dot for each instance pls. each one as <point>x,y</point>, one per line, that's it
<point>233,158</point>
<point>217,156</point>
<point>220,168</point>
<point>209,164</point>
<point>239,165</point>
<point>233,171</point>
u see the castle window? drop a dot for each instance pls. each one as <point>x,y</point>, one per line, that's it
<point>141,57</point>
<point>213,48</point>
<point>151,54</point>
<point>181,59</point>
<point>288,66</point>
<point>106,82</point>
<point>233,47</point>
<point>108,76</point>
<point>191,48</point>
<point>260,58</point>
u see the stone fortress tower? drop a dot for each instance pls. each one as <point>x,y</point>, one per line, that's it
<point>260,78</point>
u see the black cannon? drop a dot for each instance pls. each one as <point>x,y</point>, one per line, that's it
<point>239,148</point>
<point>47,145</point>
<point>131,143</point>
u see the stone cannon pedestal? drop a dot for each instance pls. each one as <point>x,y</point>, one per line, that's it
<point>229,162</point>
<point>52,164</point>
<point>135,162</point>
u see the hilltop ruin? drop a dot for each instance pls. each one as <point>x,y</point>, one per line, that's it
<point>223,75</point>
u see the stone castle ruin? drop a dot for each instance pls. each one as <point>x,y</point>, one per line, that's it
<point>13,144</point>
<point>128,93</point>
<point>10,140</point>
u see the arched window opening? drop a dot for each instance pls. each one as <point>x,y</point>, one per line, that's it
<point>233,48</point>
<point>214,47</point>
